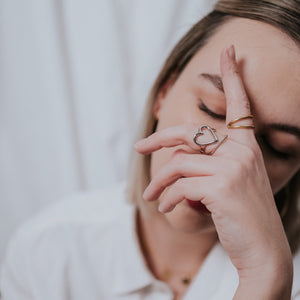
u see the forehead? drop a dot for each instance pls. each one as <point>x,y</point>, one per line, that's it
<point>269,62</point>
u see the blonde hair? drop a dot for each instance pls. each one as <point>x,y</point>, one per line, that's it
<point>284,15</point>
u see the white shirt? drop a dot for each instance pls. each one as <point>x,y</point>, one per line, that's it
<point>86,247</point>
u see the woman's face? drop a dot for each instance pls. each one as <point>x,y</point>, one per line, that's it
<point>269,63</point>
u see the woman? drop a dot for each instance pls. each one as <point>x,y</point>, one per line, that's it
<point>221,137</point>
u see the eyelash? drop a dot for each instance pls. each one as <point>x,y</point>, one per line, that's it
<point>279,154</point>
<point>212,114</point>
<point>270,148</point>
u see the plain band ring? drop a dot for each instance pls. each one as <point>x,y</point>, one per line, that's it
<point>231,125</point>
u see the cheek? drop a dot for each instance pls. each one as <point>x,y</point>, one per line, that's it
<point>170,114</point>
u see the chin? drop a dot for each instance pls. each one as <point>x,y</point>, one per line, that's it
<point>188,220</point>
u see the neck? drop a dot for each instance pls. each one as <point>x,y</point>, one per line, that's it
<point>167,249</point>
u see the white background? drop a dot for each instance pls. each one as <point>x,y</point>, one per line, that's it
<point>74,77</point>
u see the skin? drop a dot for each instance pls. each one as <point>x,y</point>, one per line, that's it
<point>262,78</point>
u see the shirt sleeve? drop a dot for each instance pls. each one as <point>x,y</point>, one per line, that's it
<point>296,281</point>
<point>296,296</point>
<point>35,267</point>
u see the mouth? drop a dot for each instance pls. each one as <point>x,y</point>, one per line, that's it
<point>198,206</point>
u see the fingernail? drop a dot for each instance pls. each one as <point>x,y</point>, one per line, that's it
<point>160,208</point>
<point>145,195</point>
<point>231,52</point>
<point>165,210</point>
<point>139,143</point>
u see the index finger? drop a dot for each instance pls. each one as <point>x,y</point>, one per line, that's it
<point>168,137</point>
<point>237,102</point>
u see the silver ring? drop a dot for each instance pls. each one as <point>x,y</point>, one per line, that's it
<point>213,139</point>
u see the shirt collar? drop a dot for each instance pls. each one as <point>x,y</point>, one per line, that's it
<point>210,275</point>
<point>131,274</point>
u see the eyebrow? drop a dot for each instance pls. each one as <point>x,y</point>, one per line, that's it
<point>286,128</point>
<point>216,80</point>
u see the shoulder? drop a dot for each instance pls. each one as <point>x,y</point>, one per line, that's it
<point>59,237</point>
<point>81,207</point>
<point>78,209</point>
<point>73,212</point>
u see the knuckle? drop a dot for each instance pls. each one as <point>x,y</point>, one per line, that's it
<point>244,100</point>
<point>162,134</point>
<point>230,176</point>
<point>250,155</point>
<point>178,161</point>
<point>256,151</point>
<point>244,161</point>
<point>179,157</point>
<point>236,172</point>
<point>222,185</point>
<point>179,186</point>
<point>233,69</point>
<point>236,167</point>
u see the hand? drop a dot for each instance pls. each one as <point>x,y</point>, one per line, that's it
<point>232,184</point>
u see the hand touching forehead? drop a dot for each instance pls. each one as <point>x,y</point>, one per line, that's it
<point>269,65</point>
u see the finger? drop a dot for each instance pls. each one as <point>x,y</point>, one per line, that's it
<point>181,165</point>
<point>169,137</point>
<point>192,188</point>
<point>237,101</point>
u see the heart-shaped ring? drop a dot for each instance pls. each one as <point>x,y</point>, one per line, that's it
<point>212,139</point>
<point>210,131</point>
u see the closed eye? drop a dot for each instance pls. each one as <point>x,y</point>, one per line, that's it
<point>279,154</point>
<point>214,115</point>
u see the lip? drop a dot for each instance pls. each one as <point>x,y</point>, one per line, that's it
<point>198,206</point>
